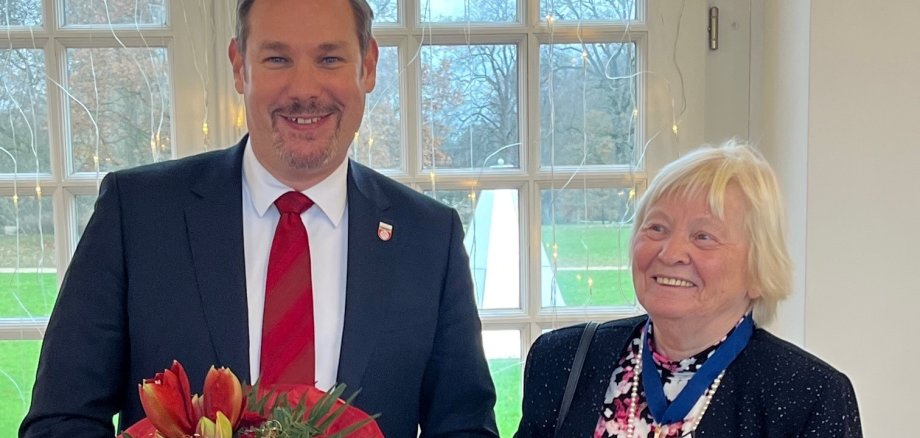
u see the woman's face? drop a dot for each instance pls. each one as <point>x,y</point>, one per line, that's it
<point>689,265</point>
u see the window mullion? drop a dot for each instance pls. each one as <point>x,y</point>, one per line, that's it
<point>411,106</point>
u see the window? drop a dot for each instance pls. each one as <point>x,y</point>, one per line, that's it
<point>528,118</point>
<point>538,120</point>
<point>86,87</point>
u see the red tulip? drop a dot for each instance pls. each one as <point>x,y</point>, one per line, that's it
<point>141,429</point>
<point>221,409</point>
<point>167,402</point>
<point>222,393</point>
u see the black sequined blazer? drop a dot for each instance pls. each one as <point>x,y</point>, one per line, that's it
<point>773,388</point>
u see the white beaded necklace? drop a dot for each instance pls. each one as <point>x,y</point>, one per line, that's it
<point>634,398</point>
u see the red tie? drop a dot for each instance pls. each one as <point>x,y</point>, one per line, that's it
<point>288,348</point>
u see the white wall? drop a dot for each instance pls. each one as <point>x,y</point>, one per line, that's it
<point>781,106</point>
<point>857,168</point>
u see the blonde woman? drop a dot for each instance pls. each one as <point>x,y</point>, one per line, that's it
<point>709,265</point>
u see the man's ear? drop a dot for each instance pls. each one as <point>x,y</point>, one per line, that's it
<point>236,60</point>
<point>369,65</point>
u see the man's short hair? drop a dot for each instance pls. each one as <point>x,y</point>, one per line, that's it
<point>364,19</point>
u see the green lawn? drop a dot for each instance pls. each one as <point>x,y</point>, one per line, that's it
<point>588,245</point>
<point>506,373</point>
<point>22,295</point>
<point>27,294</point>
<point>607,288</point>
<point>18,361</point>
<point>591,252</point>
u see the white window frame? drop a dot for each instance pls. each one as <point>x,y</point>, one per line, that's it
<point>215,101</point>
<point>532,319</point>
<point>186,123</point>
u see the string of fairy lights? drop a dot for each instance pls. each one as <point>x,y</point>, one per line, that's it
<point>205,35</point>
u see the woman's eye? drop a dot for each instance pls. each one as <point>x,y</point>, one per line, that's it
<point>705,238</point>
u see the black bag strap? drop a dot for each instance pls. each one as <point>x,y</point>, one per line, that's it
<point>577,364</point>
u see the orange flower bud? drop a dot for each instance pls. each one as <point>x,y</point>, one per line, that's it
<point>222,394</point>
<point>167,402</point>
<point>220,428</point>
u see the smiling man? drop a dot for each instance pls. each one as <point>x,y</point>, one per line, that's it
<point>303,69</point>
<point>278,257</point>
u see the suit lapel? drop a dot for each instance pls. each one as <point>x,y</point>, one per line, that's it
<point>364,301</point>
<point>215,234</point>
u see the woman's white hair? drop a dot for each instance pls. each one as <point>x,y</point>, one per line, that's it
<point>710,171</point>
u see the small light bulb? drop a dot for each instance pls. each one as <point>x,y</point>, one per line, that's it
<point>238,123</point>
<point>674,128</point>
<point>38,190</point>
<point>204,128</point>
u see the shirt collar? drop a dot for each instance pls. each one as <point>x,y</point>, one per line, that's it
<point>330,194</point>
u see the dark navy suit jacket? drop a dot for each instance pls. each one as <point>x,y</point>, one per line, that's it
<point>159,275</point>
<point>772,389</point>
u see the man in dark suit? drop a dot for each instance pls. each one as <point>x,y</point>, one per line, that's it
<point>172,264</point>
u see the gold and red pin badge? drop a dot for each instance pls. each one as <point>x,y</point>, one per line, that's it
<point>384,231</point>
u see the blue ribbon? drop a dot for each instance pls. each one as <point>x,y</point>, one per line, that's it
<point>665,413</point>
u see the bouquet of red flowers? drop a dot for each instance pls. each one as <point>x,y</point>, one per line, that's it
<point>224,411</point>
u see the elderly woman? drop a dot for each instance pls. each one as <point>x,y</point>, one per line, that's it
<point>709,265</point>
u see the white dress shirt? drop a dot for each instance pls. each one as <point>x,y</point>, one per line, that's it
<point>327,229</point>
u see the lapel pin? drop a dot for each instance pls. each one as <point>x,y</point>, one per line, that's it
<point>385,231</point>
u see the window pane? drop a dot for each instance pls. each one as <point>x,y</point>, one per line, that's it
<point>587,232</point>
<point>503,352</point>
<point>18,361</point>
<point>385,11</point>
<point>28,279</point>
<point>84,206</point>
<point>493,242</point>
<point>23,112</point>
<point>480,11</point>
<point>470,107</point>
<point>576,10</point>
<point>587,104</point>
<point>127,92</point>
<point>20,13</point>
<point>379,142</point>
<point>116,12</point>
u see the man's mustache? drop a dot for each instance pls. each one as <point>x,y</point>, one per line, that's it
<point>312,106</point>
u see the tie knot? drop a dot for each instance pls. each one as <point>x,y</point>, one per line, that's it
<point>293,202</point>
